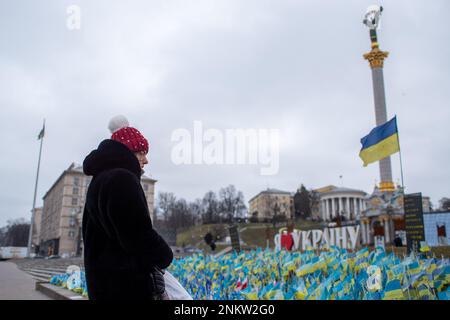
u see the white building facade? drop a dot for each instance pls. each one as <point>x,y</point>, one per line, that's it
<point>346,203</point>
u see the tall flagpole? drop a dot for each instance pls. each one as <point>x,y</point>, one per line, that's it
<point>400,155</point>
<point>30,235</point>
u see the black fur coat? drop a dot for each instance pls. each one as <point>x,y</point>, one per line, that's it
<point>121,247</point>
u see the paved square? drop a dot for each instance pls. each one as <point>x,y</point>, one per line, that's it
<point>16,284</point>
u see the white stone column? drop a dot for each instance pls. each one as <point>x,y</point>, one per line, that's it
<point>324,212</point>
<point>321,209</point>
<point>390,232</point>
<point>350,207</point>
<point>333,210</point>
<point>363,232</point>
<point>355,212</point>
<point>344,206</point>
<point>366,240</point>
<point>347,202</point>
<point>358,206</point>
<point>368,232</point>
<point>327,207</point>
<point>386,230</point>
<point>330,207</point>
<point>391,229</point>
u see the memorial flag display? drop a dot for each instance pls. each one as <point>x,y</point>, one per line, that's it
<point>333,274</point>
<point>381,142</point>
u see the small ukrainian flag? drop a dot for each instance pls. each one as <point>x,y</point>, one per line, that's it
<point>393,291</point>
<point>380,143</point>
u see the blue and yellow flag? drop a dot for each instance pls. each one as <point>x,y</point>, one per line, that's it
<point>381,142</point>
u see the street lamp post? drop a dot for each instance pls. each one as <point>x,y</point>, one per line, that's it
<point>30,234</point>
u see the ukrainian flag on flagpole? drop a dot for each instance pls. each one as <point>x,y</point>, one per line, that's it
<point>380,143</point>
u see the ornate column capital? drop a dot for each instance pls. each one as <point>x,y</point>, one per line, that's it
<point>387,186</point>
<point>376,57</point>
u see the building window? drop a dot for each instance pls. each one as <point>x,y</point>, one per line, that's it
<point>74,201</point>
<point>75,190</point>
<point>76,181</point>
<point>71,234</point>
<point>72,222</point>
<point>145,187</point>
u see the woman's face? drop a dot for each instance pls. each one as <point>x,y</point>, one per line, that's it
<point>142,157</point>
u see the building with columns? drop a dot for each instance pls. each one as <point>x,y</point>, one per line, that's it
<point>340,201</point>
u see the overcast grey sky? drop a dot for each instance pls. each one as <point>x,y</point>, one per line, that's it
<point>295,66</point>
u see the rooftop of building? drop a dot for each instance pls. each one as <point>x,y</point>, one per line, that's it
<point>272,191</point>
<point>331,189</point>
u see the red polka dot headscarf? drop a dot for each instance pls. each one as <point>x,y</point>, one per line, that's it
<point>129,136</point>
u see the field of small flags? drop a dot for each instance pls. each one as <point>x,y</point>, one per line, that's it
<point>335,274</point>
<point>75,281</point>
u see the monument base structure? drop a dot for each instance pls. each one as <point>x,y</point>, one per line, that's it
<point>384,216</point>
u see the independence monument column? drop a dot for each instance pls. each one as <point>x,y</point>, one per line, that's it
<point>376,58</point>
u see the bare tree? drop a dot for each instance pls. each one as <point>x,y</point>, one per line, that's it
<point>15,234</point>
<point>180,216</point>
<point>211,207</point>
<point>3,231</point>
<point>196,210</point>
<point>180,213</point>
<point>444,204</point>
<point>166,202</point>
<point>231,202</point>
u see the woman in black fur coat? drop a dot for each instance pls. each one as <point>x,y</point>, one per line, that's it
<point>122,251</point>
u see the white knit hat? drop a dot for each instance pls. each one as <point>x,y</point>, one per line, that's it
<point>117,122</point>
